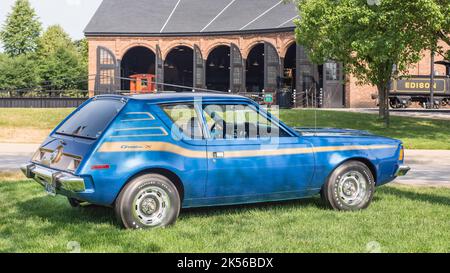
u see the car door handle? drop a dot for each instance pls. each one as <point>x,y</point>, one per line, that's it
<point>218,154</point>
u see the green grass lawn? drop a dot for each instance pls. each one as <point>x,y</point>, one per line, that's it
<point>20,125</point>
<point>401,219</point>
<point>32,125</point>
<point>32,118</point>
<point>416,133</point>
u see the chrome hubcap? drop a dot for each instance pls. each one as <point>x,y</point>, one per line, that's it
<point>148,206</point>
<point>352,188</point>
<point>151,206</point>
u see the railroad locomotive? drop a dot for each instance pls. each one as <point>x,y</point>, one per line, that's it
<point>405,91</point>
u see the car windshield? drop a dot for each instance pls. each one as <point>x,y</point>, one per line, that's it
<point>91,120</point>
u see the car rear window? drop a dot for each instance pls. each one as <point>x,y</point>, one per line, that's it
<point>91,120</point>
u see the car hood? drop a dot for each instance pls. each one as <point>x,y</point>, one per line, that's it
<point>331,132</point>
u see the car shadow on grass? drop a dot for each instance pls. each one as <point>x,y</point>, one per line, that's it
<point>58,210</point>
<point>416,196</point>
<point>59,213</point>
<point>262,206</point>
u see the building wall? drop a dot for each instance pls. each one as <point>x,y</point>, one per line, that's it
<point>120,45</point>
<point>356,96</point>
<point>359,96</point>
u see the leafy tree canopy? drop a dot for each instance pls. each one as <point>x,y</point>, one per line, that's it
<point>18,72</point>
<point>445,30</point>
<point>52,39</point>
<point>21,30</point>
<point>83,47</point>
<point>62,70</point>
<point>370,36</point>
<point>61,62</point>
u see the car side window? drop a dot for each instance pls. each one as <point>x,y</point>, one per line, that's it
<point>185,118</point>
<point>239,121</point>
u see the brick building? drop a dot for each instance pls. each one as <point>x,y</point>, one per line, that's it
<point>226,45</point>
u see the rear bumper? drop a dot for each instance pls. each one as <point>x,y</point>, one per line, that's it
<point>60,180</point>
<point>402,170</point>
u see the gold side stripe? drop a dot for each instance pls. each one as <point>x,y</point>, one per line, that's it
<point>111,147</point>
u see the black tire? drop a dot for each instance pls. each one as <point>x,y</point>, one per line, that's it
<point>350,187</point>
<point>148,201</point>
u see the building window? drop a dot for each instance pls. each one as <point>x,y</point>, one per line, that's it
<point>332,72</point>
<point>106,76</point>
<point>144,83</point>
<point>105,57</point>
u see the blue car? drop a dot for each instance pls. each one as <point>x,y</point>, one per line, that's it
<point>148,156</point>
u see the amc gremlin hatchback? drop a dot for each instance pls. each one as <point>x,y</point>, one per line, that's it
<point>150,155</point>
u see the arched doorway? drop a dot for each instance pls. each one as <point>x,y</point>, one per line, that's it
<point>290,68</point>
<point>255,69</point>
<point>137,60</point>
<point>218,69</point>
<point>178,68</point>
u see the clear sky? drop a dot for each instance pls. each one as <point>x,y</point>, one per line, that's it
<point>72,15</point>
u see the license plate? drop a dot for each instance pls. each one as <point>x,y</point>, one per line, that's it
<point>50,189</point>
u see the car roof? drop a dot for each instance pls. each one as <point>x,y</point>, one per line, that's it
<point>183,96</point>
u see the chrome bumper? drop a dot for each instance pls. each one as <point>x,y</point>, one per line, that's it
<point>402,170</point>
<point>60,180</point>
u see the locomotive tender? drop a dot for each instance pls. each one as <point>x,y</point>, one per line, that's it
<point>407,90</point>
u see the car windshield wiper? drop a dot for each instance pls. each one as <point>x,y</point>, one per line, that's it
<point>73,135</point>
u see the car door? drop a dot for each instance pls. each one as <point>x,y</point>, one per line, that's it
<point>187,146</point>
<point>251,155</point>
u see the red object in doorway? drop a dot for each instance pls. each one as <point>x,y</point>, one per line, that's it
<point>142,84</point>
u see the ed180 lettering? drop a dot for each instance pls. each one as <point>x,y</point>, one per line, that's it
<point>226,263</point>
<point>420,85</point>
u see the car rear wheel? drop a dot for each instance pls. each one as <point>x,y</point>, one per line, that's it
<point>148,201</point>
<point>350,187</point>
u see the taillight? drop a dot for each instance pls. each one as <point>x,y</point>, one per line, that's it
<point>401,157</point>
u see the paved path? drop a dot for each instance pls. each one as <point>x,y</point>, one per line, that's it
<point>13,155</point>
<point>443,114</point>
<point>429,167</point>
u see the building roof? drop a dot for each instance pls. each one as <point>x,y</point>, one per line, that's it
<point>190,17</point>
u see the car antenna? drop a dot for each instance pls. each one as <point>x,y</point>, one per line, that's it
<point>315,120</point>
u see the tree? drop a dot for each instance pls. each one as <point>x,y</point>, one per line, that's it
<point>444,32</point>
<point>18,73</point>
<point>21,30</point>
<point>61,64</point>
<point>83,48</point>
<point>52,39</point>
<point>370,36</point>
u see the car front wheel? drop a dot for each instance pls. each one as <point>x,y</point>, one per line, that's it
<point>350,187</point>
<point>148,201</point>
